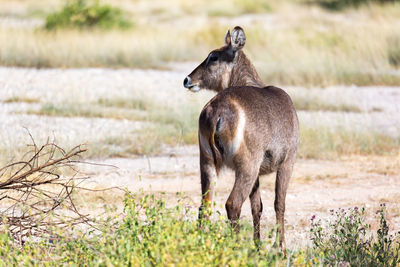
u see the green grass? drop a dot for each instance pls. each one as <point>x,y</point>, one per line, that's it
<point>151,233</point>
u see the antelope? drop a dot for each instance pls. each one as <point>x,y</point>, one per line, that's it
<point>248,127</point>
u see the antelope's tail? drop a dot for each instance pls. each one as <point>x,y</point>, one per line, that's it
<point>216,153</point>
<point>209,127</point>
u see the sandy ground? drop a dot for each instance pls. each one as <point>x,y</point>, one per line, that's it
<point>316,187</point>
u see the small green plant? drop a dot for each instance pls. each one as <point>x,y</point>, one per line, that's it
<point>87,14</point>
<point>347,241</point>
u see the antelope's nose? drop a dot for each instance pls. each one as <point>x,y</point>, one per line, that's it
<point>187,82</point>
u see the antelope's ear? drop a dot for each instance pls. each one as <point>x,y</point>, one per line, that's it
<point>238,38</point>
<point>228,38</point>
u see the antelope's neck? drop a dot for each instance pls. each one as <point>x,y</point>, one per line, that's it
<point>244,73</point>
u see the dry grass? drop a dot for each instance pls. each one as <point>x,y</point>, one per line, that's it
<point>26,48</point>
<point>18,99</point>
<point>329,143</point>
<point>299,45</point>
<point>384,166</point>
<point>315,104</point>
<point>166,126</point>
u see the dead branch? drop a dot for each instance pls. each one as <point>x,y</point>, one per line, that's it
<point>37,194</point>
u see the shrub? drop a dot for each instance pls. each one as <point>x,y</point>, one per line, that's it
<point>346,241</point>
<point>87,14</point>
<point>342,4</point>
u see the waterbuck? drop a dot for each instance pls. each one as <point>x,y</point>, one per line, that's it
<point>247,127</point>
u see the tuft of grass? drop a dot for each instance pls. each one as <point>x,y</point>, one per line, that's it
<point>18,99</point>
<point>79,110</point>
<point>330,143</point>
<point>315,104</point>
<point>137,103</point>
<point>87,14</point>
<point>394,51</point>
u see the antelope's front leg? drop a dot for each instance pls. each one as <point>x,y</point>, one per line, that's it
<point>208,176</point>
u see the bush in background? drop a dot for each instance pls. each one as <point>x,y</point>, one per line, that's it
<point>342,4</point>
<point>87,14</point>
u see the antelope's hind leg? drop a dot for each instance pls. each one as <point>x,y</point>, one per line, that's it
<point>281,185</point>
<point>208,177</point>
<point>256,209</point>
<point>245,178</point>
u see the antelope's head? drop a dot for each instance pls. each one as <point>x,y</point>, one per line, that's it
<point>215,71</point>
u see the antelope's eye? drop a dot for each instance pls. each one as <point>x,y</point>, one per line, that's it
<point>213,58</point>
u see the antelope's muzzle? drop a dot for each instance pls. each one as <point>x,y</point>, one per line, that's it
<point>187,83</point>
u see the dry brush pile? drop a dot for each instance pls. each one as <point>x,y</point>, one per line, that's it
<point>36,196</point>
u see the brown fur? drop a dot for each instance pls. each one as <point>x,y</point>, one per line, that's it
<point>248,127</point>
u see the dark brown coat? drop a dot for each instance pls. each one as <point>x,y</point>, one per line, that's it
<point>248,127</point>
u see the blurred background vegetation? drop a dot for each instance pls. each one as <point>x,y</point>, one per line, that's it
<point>292,42</point>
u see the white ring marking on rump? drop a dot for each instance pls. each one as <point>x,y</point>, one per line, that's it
<point>239,133</point>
